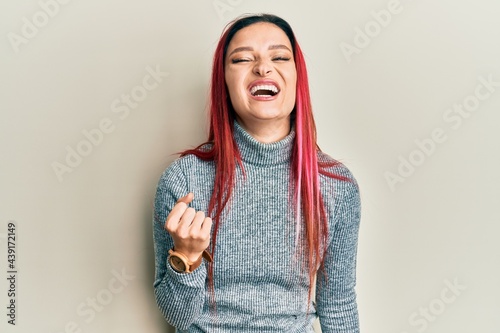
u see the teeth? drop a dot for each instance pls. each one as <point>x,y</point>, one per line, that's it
<point>272,88</point>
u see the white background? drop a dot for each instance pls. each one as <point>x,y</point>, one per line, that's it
<point>437,225</point>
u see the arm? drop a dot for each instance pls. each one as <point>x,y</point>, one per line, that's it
<point>336,297</point>
<point>180,297</point>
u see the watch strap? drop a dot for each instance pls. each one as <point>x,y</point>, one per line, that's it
<point>205,255</point>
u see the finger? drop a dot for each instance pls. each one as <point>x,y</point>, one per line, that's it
<point>197,221</point>
<point>206,226</point>
<point>187,198</point>
<point>175,215</point>
<point>185,221</point>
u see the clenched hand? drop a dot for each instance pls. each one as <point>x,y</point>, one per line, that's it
<point>190,230</point>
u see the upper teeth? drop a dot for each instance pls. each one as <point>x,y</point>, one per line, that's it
<point>272,88</point>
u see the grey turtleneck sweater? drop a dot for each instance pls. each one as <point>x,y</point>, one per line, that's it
<point>259,286</point>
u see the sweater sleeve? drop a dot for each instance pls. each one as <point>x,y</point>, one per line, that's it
<point>180,297</point>
<point>336,296</point>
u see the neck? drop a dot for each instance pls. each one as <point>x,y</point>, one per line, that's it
<point>266,131</point>
<point>264,154</point>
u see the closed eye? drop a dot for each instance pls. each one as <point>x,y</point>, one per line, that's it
<point>237,60</point>
<point>281,59</point>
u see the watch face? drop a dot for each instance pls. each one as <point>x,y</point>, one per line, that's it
<point>177,264</point>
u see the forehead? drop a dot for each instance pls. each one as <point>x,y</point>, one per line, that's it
<point>259,34</point>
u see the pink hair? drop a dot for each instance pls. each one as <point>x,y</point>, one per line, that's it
<point>310,214</point>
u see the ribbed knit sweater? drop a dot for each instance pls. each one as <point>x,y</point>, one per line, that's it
<point>259,286</point>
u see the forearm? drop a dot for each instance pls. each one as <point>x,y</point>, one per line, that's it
<point>339,315</point>
<point>336,295</point>
<point>180,296</point>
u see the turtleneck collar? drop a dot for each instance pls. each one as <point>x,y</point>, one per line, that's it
<point>263,154</point>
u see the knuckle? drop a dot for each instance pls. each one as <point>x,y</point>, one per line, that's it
<point>181,234</point>
<point>194,236</point>
<point>201,235</point>
<point>169,225</point>
<point>194,232</point>
<point>168,219</point>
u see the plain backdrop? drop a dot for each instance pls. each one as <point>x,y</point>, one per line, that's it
<point>405,93</point>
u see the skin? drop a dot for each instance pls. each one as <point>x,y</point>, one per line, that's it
<point>261,51</point>
<point>190,230</point>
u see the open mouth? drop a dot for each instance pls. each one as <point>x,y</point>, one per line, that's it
<point>264,90</point>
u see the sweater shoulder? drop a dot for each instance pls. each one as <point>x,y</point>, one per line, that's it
<point>184,174</point>
<point>340,191</point>
<point>187,172</point>
<point>332,166</point>
<point>180,169</point>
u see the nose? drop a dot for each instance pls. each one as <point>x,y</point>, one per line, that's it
<point>262,68</point>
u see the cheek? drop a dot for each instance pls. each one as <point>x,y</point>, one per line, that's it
<point>231,81</point>
<point>292,86</point>
<point>290,76</point>
<point>236,92</point>
<point>290,98</point>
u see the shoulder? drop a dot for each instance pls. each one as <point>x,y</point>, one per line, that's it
<point>183,166</point>
<point>172,179</point>
<point>334,169</point>
<point>177,180</point>
<point>339,187</point>
<point>187,170</point>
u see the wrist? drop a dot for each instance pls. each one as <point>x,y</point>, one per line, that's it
<point>191,256</point>
<point>182,264</point>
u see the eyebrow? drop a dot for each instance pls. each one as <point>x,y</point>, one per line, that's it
<point>249,48</point>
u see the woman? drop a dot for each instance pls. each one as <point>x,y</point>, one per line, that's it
<point>261,198</point>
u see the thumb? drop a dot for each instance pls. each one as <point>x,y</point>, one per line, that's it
<point>186,199</point>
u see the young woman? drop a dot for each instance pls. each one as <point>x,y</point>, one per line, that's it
<point>253,223</point>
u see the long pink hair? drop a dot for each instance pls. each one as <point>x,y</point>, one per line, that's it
<point>310,215</point>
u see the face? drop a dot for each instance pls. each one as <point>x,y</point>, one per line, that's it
<point>261,76</point>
